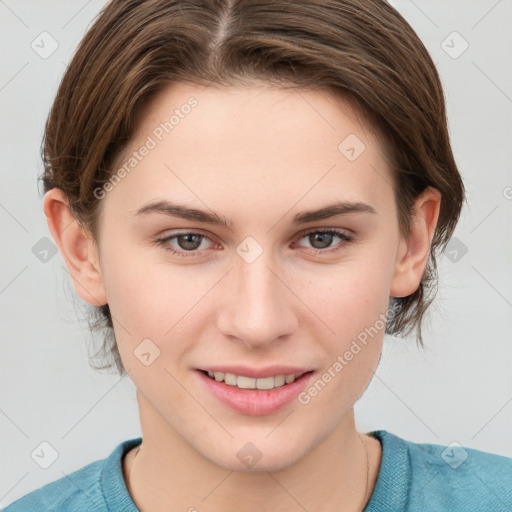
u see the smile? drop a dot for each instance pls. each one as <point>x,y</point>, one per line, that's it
<point>244,382</point>
<point>264,392</point>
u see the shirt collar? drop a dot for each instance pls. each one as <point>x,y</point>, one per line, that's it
<point>392,487</point>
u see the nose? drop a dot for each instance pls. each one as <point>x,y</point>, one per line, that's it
<point>259,306</point>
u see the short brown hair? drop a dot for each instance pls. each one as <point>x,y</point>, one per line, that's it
<point>363,51</point>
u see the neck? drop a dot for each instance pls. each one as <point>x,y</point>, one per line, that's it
<point>168,474</point>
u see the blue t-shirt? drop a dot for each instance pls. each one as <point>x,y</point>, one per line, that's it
<point>413,477</point>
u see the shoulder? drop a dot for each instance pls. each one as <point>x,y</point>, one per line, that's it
<point>470,478</point>
<point>80,491</point>
<point>449,477</point>
<point>92,488</point>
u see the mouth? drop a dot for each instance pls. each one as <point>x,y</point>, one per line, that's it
<point>262,383</point>
<point>255,395</point>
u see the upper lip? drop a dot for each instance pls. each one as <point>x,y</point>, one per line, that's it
<point>258,373</point>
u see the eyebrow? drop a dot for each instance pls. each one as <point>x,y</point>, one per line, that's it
<point>173,209</point>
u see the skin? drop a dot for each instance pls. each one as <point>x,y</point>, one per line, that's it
<point>256,155</point>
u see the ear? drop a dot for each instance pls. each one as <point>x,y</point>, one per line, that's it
<point>413,252</point>
<point>76,246</point>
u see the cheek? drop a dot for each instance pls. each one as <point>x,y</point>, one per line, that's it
<point>350,301</point>
<point>142,290</point>
<point>354,310</point>
<point>349,297</point>
<point>153,301</point>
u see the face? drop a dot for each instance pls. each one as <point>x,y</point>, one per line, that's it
<point>248,283</point>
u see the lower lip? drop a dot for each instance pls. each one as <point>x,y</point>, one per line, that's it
<point>255,402</point>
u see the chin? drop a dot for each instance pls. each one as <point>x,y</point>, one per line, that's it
<point>244,456</point>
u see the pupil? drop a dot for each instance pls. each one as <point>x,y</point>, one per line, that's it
<point>321,237</point>
<point>188,244</point>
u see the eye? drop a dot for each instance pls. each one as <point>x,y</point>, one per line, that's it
<point>322,240</point>
<point>189,242</point>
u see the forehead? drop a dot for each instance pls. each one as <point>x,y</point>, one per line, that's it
<point>260,146</point>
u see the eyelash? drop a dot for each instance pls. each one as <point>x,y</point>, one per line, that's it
<point>163,242</point>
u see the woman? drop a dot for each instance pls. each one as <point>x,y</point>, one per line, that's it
<point>250,194</point>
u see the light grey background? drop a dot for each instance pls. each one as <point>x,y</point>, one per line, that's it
<point>458,389</point>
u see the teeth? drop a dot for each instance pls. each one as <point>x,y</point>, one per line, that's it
<point>230,379</point>
<point>290,378</point>
<point>279,380</point>
<point>244,382</point>
<point>266,383</point>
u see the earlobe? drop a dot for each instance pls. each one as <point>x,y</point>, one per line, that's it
<point>76,246</point>
<point>413,252</point>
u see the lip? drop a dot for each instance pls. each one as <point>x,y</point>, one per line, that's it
<point>254,402</point>
<point>257,373</point>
